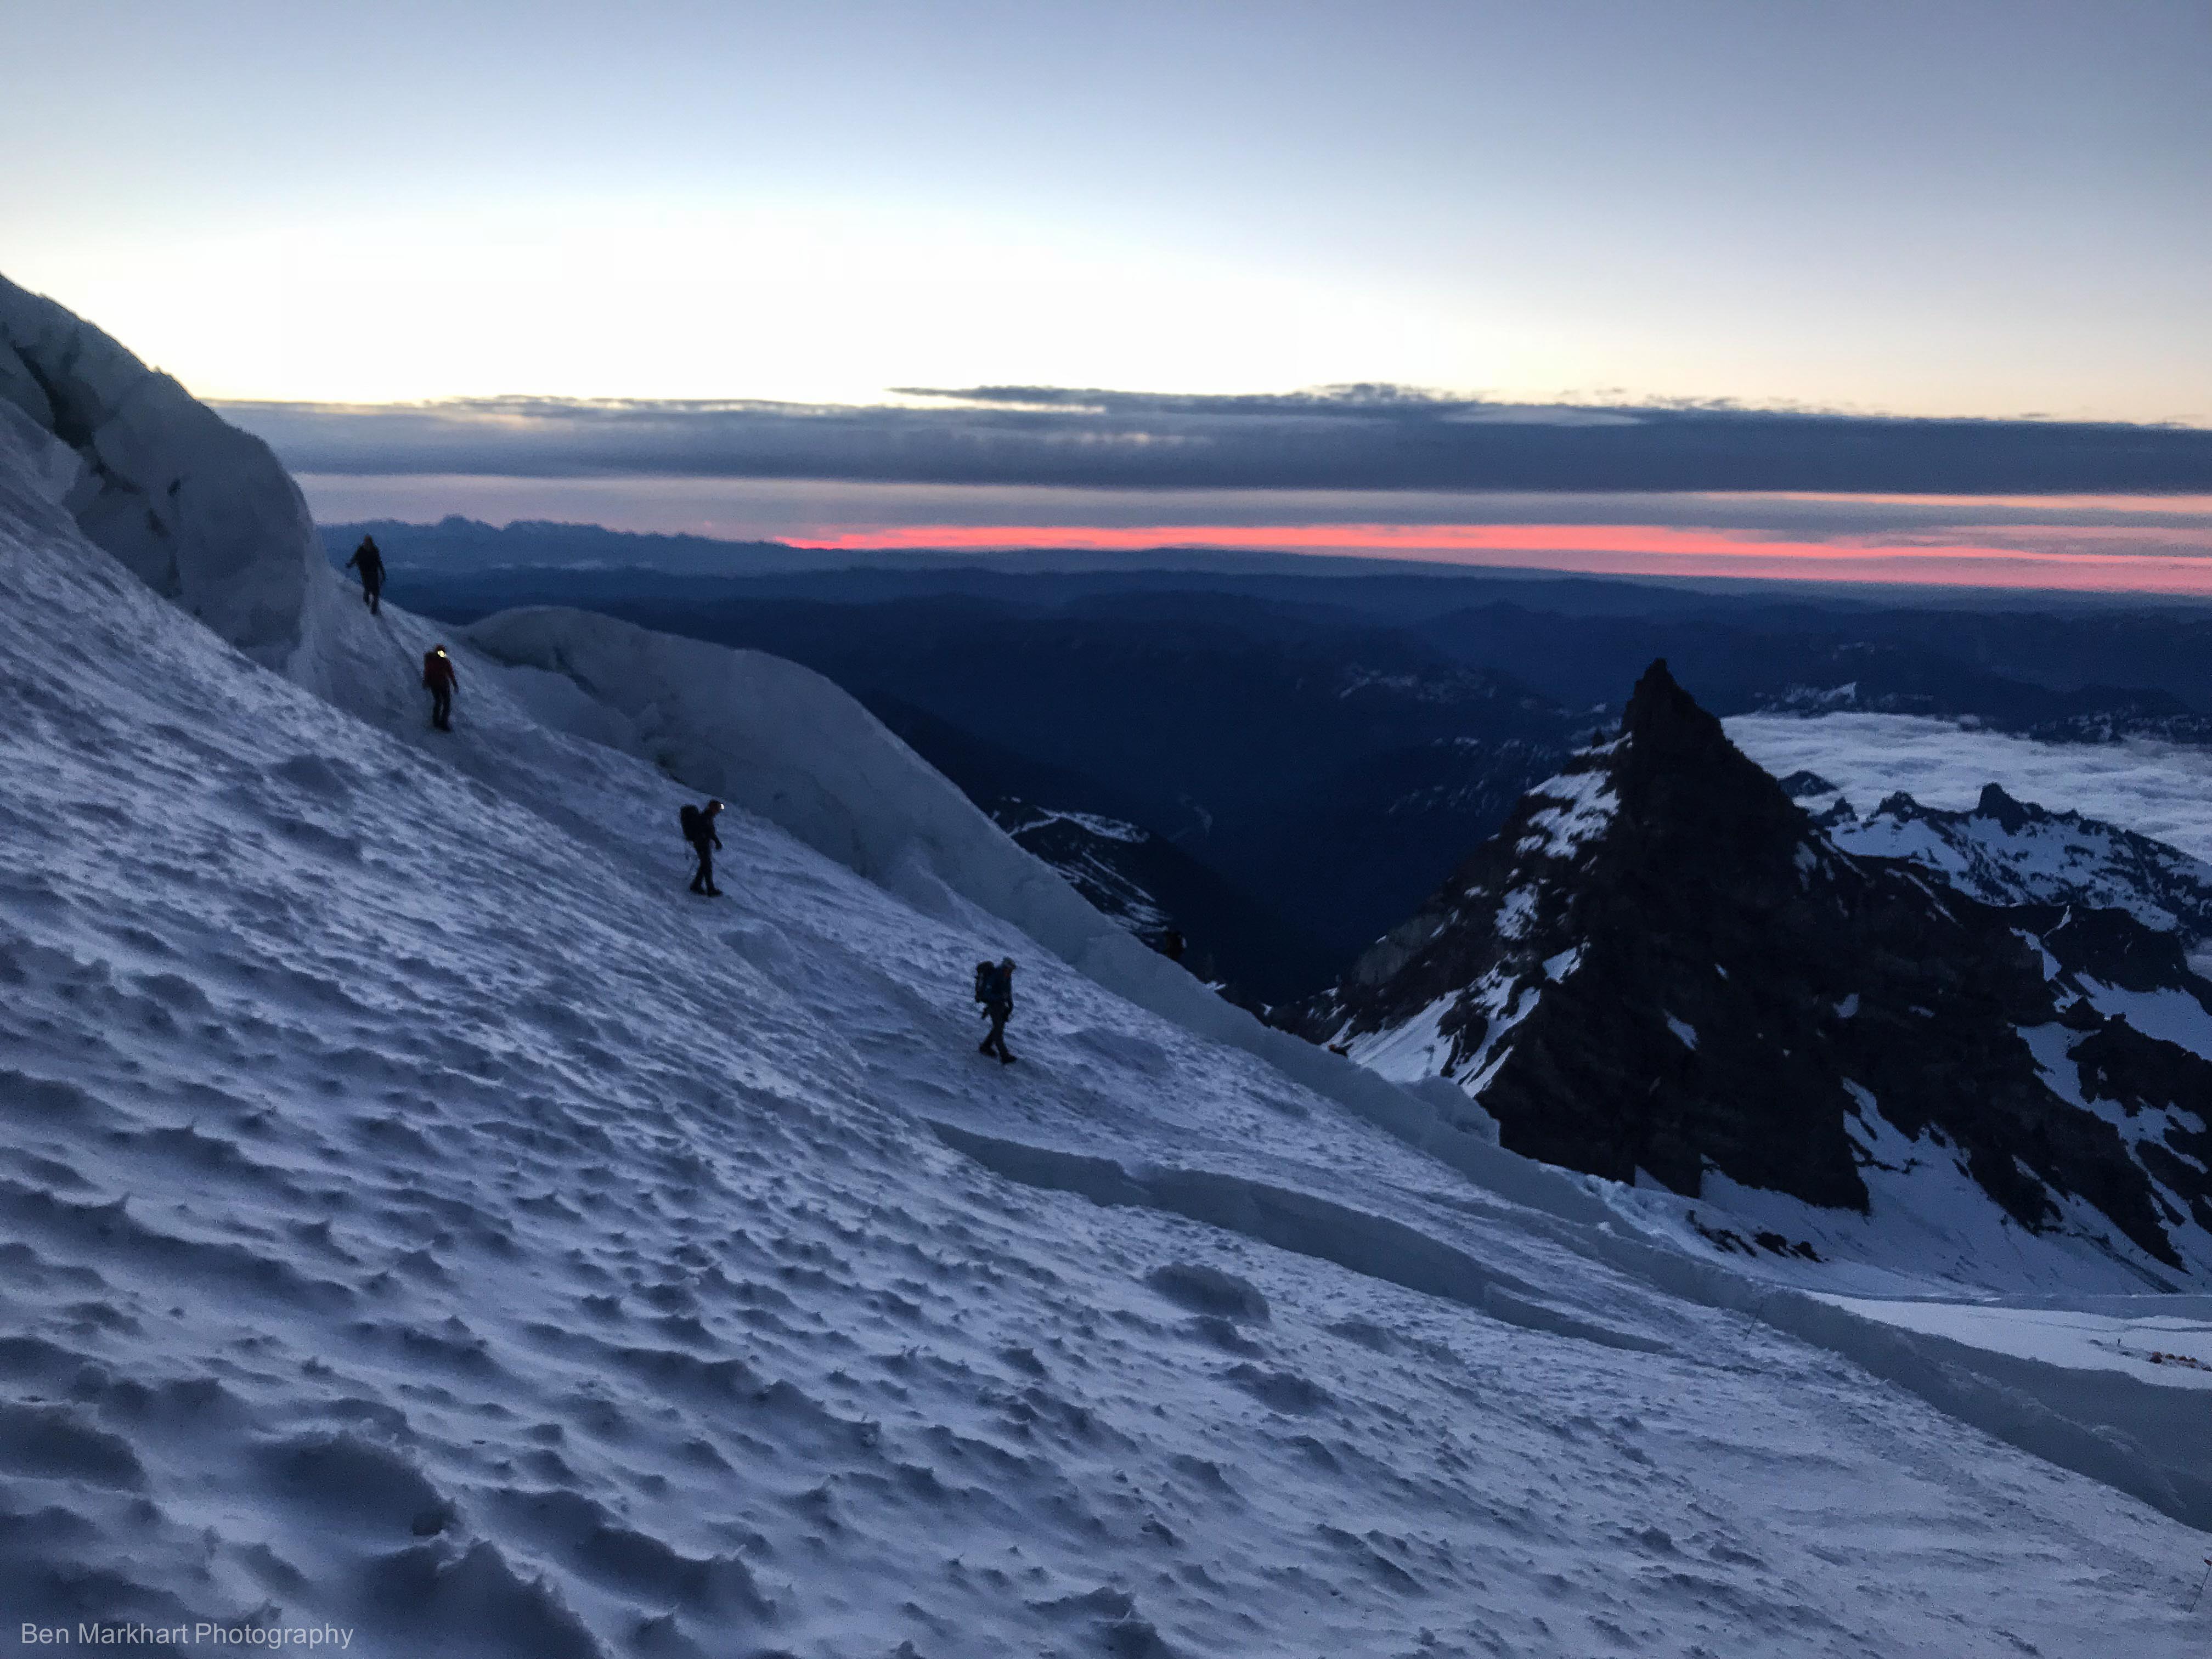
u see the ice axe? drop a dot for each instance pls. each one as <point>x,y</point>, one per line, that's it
<point>2201,1582</point>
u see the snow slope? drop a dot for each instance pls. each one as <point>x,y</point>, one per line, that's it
<point>782,741</point>
<point>422,1217</point>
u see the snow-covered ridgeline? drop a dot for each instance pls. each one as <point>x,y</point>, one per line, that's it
<point>2009,852</point>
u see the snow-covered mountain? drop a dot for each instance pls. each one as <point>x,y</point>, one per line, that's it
<point>425,1222</point>
<point>1661,969</point>
<point>2011,852</point>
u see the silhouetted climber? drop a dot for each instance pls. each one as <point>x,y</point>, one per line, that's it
<point>994,989</point>
<point>699,829</point>
<point>438,675</point>
<point>370,564</point>
<point>1171,945</point>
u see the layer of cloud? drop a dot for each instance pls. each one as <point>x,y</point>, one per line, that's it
<point>1353,439</point>
<point>2156,788</point>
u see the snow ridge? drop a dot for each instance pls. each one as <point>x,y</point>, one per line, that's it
<point>2005,851</point>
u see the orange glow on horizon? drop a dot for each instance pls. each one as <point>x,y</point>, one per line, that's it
<point>1607,550</point>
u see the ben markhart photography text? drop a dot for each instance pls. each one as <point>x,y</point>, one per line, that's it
<point>187,1636</point>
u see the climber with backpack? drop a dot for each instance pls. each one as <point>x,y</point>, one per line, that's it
<point>698,824</point>
<point>437,679</point>
<point>994,989</point>
<point>370,562</point>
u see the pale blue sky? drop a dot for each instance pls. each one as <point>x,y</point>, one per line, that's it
<point>1945,207</point>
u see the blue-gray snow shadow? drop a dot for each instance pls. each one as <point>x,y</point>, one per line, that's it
<point>1369,1245</point>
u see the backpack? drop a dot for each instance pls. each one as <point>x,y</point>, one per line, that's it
<point>694,825</point>
<point>985,973</point>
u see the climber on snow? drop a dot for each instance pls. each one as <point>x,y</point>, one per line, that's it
<point>698,824</point>
<point>438,677</point>
<point>994,989</point>
<point>370,564</point>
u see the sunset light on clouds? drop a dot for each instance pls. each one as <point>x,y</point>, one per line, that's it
<point>1617,549</point>
<point>2137,543</point>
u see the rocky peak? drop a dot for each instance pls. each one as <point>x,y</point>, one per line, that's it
<point>2002,809</point>
<point>1661,967</point>
<point>1691,795</point>
<point>1660,713</point>
<point>1804,785</point>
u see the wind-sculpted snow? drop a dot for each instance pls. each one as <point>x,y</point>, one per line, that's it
<point>199,510</point>
<point>1369,1244</point>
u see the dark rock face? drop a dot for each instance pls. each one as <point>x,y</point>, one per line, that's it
<point>1661,964</point>
<point>1798,785</point>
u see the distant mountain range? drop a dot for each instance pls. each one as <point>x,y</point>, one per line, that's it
<point>2011,852</point>
<point>2060,677</point>
<point>1662,969</point>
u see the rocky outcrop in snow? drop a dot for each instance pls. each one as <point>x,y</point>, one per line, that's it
<point>1663,968</point>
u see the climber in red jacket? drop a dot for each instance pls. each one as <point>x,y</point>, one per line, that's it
<point>438,675</point>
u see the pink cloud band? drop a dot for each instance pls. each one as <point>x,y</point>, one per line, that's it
<point>2126,558</point>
